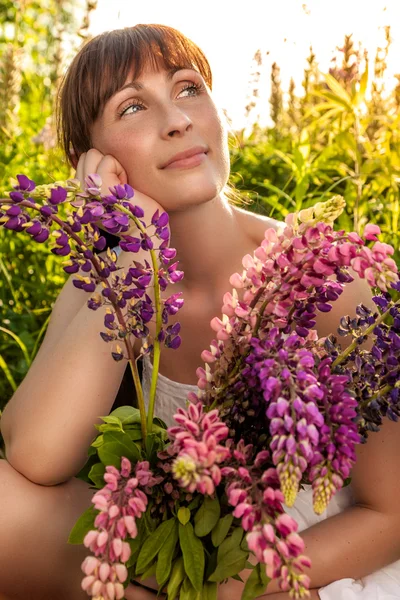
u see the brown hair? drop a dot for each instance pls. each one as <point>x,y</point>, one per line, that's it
<point>101,68</point>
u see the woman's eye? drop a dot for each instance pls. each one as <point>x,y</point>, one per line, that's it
<point>196,87</point>
<point>132,105</point>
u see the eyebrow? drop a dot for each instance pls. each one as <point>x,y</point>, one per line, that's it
<point>138,86</point>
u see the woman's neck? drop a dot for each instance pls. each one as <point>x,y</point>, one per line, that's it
<point>210,240</point>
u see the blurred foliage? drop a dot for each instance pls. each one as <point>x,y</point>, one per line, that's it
<point>338,135</point>
<point>37,40</point>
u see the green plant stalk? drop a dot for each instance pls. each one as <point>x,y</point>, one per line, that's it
<point>8,374</point>
<point>357,171</point>
<point>156,358</point>
<point>9,281</point>
<point>383,390</point>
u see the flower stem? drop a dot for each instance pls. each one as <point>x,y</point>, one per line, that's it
<point>156,354</point>
<point>381,392</point>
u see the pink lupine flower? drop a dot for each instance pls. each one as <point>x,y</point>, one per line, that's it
<point>120,503</point>
<point>196,442</point>
<point>371,232</point>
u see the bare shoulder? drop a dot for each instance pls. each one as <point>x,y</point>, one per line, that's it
<point>255,225</point>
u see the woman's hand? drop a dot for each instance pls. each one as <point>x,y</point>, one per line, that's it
<point>112,173</point>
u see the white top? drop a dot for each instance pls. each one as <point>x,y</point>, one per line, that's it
<point>381,585</point>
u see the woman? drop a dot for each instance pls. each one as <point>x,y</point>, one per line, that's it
<point>131,101</point>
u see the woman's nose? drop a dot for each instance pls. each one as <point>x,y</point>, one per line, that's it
<point>175,119</point>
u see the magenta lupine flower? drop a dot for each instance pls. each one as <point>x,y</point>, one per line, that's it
<point>92,208</point>
<point>335,456</point>
<point>120,503</point>
<point>196,443</point>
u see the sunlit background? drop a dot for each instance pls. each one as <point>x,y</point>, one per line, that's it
<point>230,32</point>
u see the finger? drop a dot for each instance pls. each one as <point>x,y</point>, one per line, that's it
<point>79,169</point>
<point>92,161</point>
<point>111,173</point>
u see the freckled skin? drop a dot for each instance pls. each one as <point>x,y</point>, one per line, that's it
<point>171,120</point>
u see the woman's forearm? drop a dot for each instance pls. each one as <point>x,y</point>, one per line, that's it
<point>48,424</point>
<point>352,544</point>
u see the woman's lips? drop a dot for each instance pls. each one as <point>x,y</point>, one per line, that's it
<point>188,163</point>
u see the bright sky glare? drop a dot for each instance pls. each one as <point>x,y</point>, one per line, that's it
<point>230,32</point>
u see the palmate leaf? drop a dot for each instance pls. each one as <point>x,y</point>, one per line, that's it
<point>221,529</point>
<point>207,516</point>
<point>136,543</point>
<point>177,576</point>
<point>117,444</point>
<point>229,563</point>
<point>111,423</point>
<point>233,541</point>
<point>188,592</point>
<point>184,515</point>
<point>210,591</point>
<point>96,474</point>
<point>126,415</point>
<point>84,524</point>
<point>154,543</point>
<point>193,555</point>
<point>164,559</point>
<point>256,584</point>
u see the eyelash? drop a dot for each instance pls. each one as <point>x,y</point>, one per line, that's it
<point>196,86</point>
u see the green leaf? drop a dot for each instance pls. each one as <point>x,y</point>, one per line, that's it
<point>84,472</point>
<point>184,515</point>
<point>126,414</point>
<point>195,502</point>
<point>210,591</point>
<point>117,444</point>
<point>337,89</point>
<point>255,585</point>
<point>207,516</point>
<point>164,559</point>
<point>134,434</point>
<point>177,576</point>
<point>96,474</point>
<point>136,543</point>
<point>153,544</point>
<point>221,529</point>
<point>149,572</point>
<point>159,422</point>
<point>193,555</point>
<point>98,441</point>
<point>188,592</point>
<point>211,564</point>
<point>83,525</point>
<point>110,423</point>
<point>229,564</point>
<point>153,445</point>
<point>233,541</point>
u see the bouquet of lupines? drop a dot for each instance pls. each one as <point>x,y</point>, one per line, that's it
<point>276,407</point>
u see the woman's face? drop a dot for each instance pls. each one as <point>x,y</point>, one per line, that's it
<point>144,129</point>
